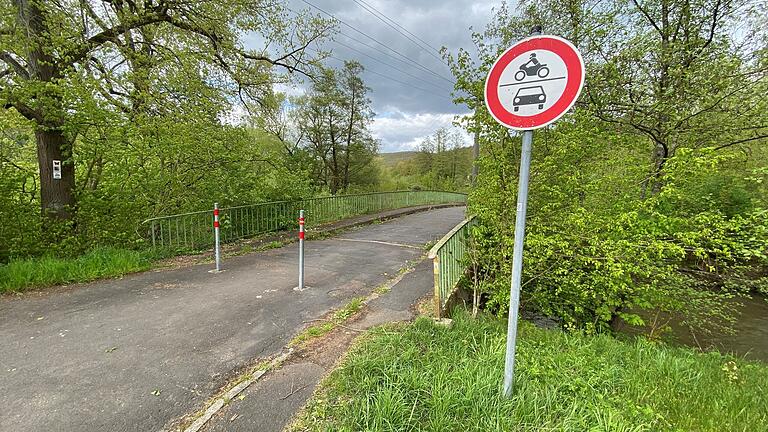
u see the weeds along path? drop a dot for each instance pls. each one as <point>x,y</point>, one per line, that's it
<point>132,353</point>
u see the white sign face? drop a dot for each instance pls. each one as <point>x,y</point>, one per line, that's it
<point>532,83</point>
<point>57,170</point>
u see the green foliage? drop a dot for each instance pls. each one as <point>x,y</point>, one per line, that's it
<point>91,71</point>
<point>443,162</point>
<point>650,195</point>
<point>137,103</point>
<point>333,121</point>
<point>126,174</point>
<point>99,263</point>
<point>596,251</point>
<point>432,378</point>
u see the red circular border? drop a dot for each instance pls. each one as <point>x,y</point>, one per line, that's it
<point>573,63</point>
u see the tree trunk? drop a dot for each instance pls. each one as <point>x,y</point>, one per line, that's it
<point>56,195</point>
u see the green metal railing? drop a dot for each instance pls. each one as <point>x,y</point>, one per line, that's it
<point>194,231</point>
<point>449,262</point>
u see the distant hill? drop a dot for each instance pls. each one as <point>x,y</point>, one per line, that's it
<point>389,160</point>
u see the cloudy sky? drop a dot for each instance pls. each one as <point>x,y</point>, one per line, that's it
<point>410,101</point>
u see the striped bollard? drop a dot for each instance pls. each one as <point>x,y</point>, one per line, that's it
<point>216,236</point>
<point>301,250</point>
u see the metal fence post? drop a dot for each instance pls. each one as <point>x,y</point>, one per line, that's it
<point>301,250</point>
<point>436,273</point>
<point>217,239</point>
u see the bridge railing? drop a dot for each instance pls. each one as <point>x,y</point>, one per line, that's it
<point>449,262</point>
<point>194,230</point>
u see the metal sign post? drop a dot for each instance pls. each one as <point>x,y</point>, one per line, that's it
<point>517,262</point>
<point>531,85</point>
<point>301,250</point>
<point>216,236</point>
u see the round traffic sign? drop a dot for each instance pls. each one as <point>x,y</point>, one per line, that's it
<point>534,82</point>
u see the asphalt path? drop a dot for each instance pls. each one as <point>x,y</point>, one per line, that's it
<point>134,353</point>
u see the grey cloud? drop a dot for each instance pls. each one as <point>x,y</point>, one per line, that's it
<point>438,23</point>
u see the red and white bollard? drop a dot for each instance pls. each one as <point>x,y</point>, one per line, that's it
<point>216,236</point>
<point>301,250</point>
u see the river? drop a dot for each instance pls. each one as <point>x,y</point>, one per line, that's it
<point>750,339</point>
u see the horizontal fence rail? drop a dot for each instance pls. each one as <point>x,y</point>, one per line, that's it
<point>194,230</point>
<point>449,262</point>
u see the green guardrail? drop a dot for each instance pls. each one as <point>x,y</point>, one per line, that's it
<point>449,262</point>
<point>194,230</point>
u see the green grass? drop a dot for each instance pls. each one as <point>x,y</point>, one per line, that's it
<point>432,378</point>
<point>99,263</point>
<point>338,317</point>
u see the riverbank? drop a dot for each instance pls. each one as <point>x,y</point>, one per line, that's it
<point>427,377</point>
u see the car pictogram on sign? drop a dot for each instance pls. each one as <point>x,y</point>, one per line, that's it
<point>533,95</point>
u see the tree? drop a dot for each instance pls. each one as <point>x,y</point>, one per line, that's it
<point>334,119</point>
<point>63,58</point>
<point>651,194</point>
<point>441,160</point>
<point>663,69</point>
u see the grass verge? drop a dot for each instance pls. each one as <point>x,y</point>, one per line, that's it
<point>99,263</point>
<point>433,378</point>
<point>338,318</point>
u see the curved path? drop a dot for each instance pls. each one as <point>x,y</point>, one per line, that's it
<point>133,353</point>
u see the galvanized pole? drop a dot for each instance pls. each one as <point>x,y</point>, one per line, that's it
<point>216,235</point>
<point>517,262</point>
<point>301,250</point>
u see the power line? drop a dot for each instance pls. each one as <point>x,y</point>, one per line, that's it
<point>395,79</point>
<point>389,65</point>
<point>410,85</point>
<point>395,58</point>
<point>417,64</point>
<point>400,29</point>
<point>376,49</point>
<point>403,28</point>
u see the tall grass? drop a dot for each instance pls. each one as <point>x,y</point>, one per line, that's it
<point>98,263</point>
<point>426,377</point>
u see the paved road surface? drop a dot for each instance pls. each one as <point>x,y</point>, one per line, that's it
<point>271,403</point>
<point>90,358</point>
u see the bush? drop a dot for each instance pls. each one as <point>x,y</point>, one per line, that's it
<point>600,249</point>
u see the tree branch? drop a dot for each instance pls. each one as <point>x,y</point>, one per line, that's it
<point>17,67</point>
<point>25,111</point>
<point>648,17</point>
<point>741,141</point>
<point>111,34</point>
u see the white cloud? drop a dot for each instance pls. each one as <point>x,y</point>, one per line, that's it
<point>402,131</point>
